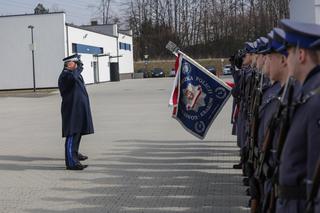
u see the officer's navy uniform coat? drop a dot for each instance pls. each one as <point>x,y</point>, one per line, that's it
<point>242,118</point>
<point>266,110</point>
<point>302,145</point>
<point>236,99</point>
<point>75,107</point>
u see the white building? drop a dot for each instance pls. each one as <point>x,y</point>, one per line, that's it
<point>107,55</point>
<point>305,11</point>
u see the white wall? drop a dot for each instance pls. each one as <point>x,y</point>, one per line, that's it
<point>126,61</point>
<point>317,11</point>
<point>302,10</point>
<point>15,55</point>
<point>108,43</point>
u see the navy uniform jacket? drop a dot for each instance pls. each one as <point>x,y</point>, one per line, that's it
<point>75,106</point>
<point>238,93</point>
<point>302,145</point>
<point>272,158</point>
<point>273,103</point>
<point>236,98</point>
<point>235,91</point>
<point>317,203</point>
<point>267,110</point>
<point>246,74</point>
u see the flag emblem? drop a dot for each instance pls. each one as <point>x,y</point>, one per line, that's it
<point>194,97</point>
<point>197,97</point>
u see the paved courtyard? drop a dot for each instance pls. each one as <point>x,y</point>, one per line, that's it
<point>140,159</point>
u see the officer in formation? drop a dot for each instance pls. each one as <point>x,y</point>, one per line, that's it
<point>75,111</point>
<point>277,98</point>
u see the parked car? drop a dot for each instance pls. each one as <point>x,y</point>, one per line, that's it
<point>212,69</point>
<point>157,72</point>
<point>172,73</point>
<point>145,73</point>
<point>227,69</point>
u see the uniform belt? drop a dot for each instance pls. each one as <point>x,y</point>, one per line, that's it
<point>292,192</point>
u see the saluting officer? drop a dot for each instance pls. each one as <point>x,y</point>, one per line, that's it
<point>302,144</point>
<point>75,111</point>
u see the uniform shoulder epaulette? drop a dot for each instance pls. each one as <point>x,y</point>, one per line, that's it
<point>309,95</point>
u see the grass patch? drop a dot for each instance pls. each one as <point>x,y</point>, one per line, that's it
<point>167,65</point>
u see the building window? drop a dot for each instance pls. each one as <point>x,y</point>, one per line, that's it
<point>82,48</point>
<point>124,46</point>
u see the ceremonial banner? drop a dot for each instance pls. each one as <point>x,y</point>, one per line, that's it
<point>197,97</point>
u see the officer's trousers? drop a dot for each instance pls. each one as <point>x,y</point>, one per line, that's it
<point>72,149</point>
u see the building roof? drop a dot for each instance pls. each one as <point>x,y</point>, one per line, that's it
<point>89,28</point>
<point>82,28</point>
<point>125,32</point>
<point>31,14</point>
<point>100,29</point>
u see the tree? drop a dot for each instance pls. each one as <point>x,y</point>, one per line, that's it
<point>202,28</point>
<point>40,9</point>
<point>104,9</point>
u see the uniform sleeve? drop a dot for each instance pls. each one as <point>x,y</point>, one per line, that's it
<point>313,136</point>
<point>78,71</point>
<point>236,89</point>
<point>66,81</point>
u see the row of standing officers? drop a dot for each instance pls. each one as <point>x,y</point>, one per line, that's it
<point>276,118</point>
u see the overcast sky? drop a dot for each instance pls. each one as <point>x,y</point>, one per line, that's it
<point>77,11</point>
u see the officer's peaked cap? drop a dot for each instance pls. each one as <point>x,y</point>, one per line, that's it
<point>279,44</point>
<point>75,58</point>
<point>315,45</point>
<point>263,45</point>
<point>299,34</point>
<point>249,47</point>
<point>276,42</point>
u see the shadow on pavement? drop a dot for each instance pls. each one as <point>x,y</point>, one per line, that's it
<point>149,179</point>
<point>39,93</point>
<point>24,158</point>
<point>15,163</point>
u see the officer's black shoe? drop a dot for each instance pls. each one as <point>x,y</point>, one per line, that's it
<point>82,157</point>
<point>77,167</point>
<point>237,166</point>
<point>245,181</point>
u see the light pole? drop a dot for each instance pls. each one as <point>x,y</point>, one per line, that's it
<point>146,63</point>
<point>32,50</point>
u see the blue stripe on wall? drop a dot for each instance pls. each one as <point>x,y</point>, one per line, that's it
<point>82,48</point>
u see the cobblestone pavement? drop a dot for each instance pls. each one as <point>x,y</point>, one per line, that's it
<point>140,159</point>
